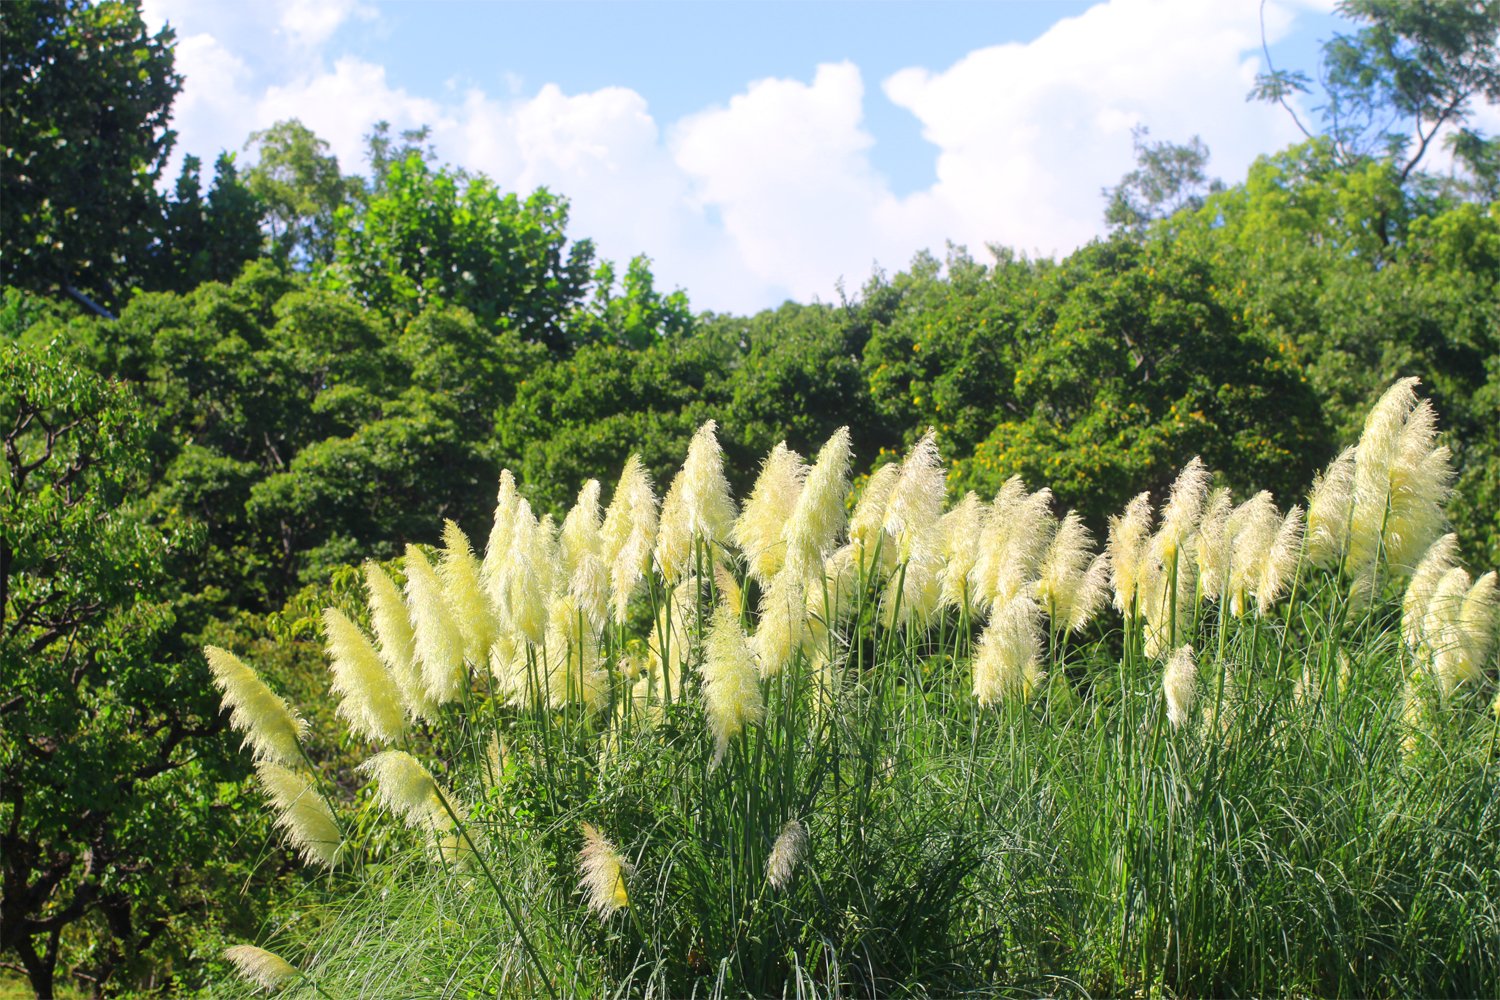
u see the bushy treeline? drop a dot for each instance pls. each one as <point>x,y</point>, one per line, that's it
<point>215,404</point>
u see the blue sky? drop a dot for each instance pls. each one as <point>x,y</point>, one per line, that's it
<point>761,151</point>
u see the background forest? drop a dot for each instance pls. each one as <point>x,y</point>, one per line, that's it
<point>218,400</point>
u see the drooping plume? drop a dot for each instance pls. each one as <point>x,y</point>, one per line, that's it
<point>439,646</point>
<point>267,722</point>
<point>392,624</point>
<point>301,813</point>
<point>368,698</point>
<point>731,685</point>
<point>697,506</point>
<point>408,789</point>
<point>1442,556</point>
<point>265,969</point>
<point>1329,507</point>
<point>1072,582</point>
<point>602,874</point>
<point>1006,664</point>
<point>628,534</point>
<point>758,531</point>
<point>786,854</point>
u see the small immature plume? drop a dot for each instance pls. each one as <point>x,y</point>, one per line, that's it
<point>1006,662</point>
<point>628,533</point>
<point>1328,511</point>
<point>302,814</point>
<point>392,624</point>
<point>731,686</point>
<point>697,505</point>
<point>818,516</point>
<point>439,644</point>
<point>368,698</point>
<point>265,969</point>
<point>602,873</point>
<point>267,722</point>
<point>786,854</point>
<point>758,532</point>
<point>1442,556</point>
<point>1071,581</point>
<point>1179,682</point>
<point>961,529</point>
<point>1129,533</point>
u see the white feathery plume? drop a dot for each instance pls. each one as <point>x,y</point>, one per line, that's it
<point>1459,629</point>
<point>1280,563</point>
<point>961,528</point>
<point>301,813</point>
<point>786,854</point>
<point>472,611</point>
<point>1329,507</point>
<point>439,647</point>
<point>697,505</point>
<point>1179,682</point>
<point>1180,517</point>
<point>265,969</point>
<point>731,684</point>
<point>270,728</point>
<point>580,529</point>
<point>1072,582</point>
<point>1129,535</point>
<point>1442,555</point>
<point>1017,532</point>
<point>866,532</point>
<point>602,873</point>
<point>774,498</point>
<point>498,547</point>
<point>1213,548</point>
<point>576,670</point>
<point>1006,664</point>
<point>1155,601</point>
<point>913,519</point>
<point>628,534</point>
<point>783,621</point>
<point>818,515</point>
<point>409,790</point>
<point>1252,530</point>
<point>392,624</point>
<point>368,698</point>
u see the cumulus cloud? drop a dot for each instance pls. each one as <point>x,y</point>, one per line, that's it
<point>772,193</point>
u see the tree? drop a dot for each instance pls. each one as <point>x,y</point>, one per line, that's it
<point>204,238</point>
<point>298,180</point>
<point>87,97</point>
<point>102,719</point>
<point>1414,69</point>
<point>1168,178</point>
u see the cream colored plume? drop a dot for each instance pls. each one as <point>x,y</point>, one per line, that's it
<point>866,532</point>
<point>818,515</point>
<point>1018,529</point>
<point>301,813</point>
<point>731,684</point>
<point>1458,629</point>
<point>1129,536</point>
<point>1072,583</point>
<point>472,611</point>
<point>1157,604</point>
<point>1329,507</point>
<point>1442,556</point>
<point>270,728</point>
<point>1252,529</point>
<point>602,874</point>
<point>576,674</point>
<point>1006,664</point>
<point>913,521</point>
<point>1179,683</point>
<point>439,645</point>
<point>368,698</point>
<point>1280,564</point>
<point>1184,509</point>
<point>519,585</point>
<point>1213,546</point>
<point>392,624</point>
<point>501,542</point>
<point>758,531</point>
<point>579,537</point>
<point>409,790</point>
<point>786,854</point>
<point>675,622</point>
<point>783,622</point>
<point>265,969</point>
<point>961,528</point>
<point>628,534</point>
<point>697,506</point>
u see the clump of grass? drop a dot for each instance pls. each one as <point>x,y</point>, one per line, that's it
<point>692,750</point>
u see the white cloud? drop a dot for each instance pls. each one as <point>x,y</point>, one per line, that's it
<point>774,193</point>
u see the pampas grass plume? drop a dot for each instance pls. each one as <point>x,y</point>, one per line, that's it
<point>368,698</point>
<point>628,533</point>
<point>759,530</point>
<point>697,505</point>
<point>407,789</point>
<point>1071,581</point>
<point>602,874</point>
<point>472,611</point>
<point>265,969</point>
<point>393,631</point>
<point>786,854</point>
<point>818,516</point>
<point>731,684</point>
<point>1180,685</point>
<point>1440,558</point>
<point>1006,662</point>
<point>267,722</point>
<point>1329,506</point>
<point>301,813</point>
<point>1129,533</point>
<point>439,643</point>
